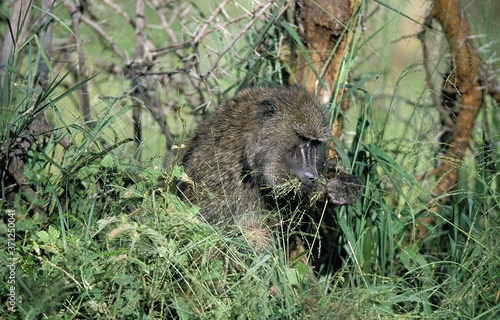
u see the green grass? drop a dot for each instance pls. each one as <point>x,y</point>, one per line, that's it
<point>119,245</point>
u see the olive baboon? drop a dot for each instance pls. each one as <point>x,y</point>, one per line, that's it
<point>262,153</point>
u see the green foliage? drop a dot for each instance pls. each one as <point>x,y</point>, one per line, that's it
<point>117,242</point>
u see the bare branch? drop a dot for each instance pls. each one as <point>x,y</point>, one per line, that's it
<point>201,33</point>
<point>82,74</point>
<point>120,11</point>
<point>261,11</point>
<point>106,37</point>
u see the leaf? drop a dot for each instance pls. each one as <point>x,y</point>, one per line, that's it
<point>292,276</point>
<point>357,85</point>
<point>109,161</point>
<point>43,236</point>
<point>388,164</point>
<point>413,260</point>
<point>54,233</point>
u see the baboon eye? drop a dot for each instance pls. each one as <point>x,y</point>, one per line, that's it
<point>267,108</point>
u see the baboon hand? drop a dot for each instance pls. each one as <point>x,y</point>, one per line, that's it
<point>343,189</point>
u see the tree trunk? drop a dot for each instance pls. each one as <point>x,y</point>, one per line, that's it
<point>324,27</point>
<point>465,77</point>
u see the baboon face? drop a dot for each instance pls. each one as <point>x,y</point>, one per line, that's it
<point>289,138</point>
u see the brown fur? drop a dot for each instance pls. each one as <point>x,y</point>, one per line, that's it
<point>236,161</point>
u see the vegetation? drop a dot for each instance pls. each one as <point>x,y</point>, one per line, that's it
<point>93,226</point>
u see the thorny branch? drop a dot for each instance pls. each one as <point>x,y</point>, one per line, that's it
<point>175,68</point>
<point>235,38</point>
<point>160,73</point>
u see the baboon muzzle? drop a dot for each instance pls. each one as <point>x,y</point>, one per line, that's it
<point>302,161</point>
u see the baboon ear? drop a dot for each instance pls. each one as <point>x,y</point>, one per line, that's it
<point>344,189</point>
<point>267,108</point>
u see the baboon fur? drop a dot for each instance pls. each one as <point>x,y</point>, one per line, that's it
<point>240,167</point>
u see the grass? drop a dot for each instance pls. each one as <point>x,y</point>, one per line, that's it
<point>116,244</point>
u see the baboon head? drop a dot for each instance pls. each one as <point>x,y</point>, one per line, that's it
<point>285,137</point>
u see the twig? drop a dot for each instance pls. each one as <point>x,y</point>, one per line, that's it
<point>60,269</point>
<point>137,88</point>
<point>82,74</point>
<point>201,33</point>
<point>262,10</point>
<point>429,73</point>
<point>166,26</point>
<point>106,37</point>
<point>121,12</point>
